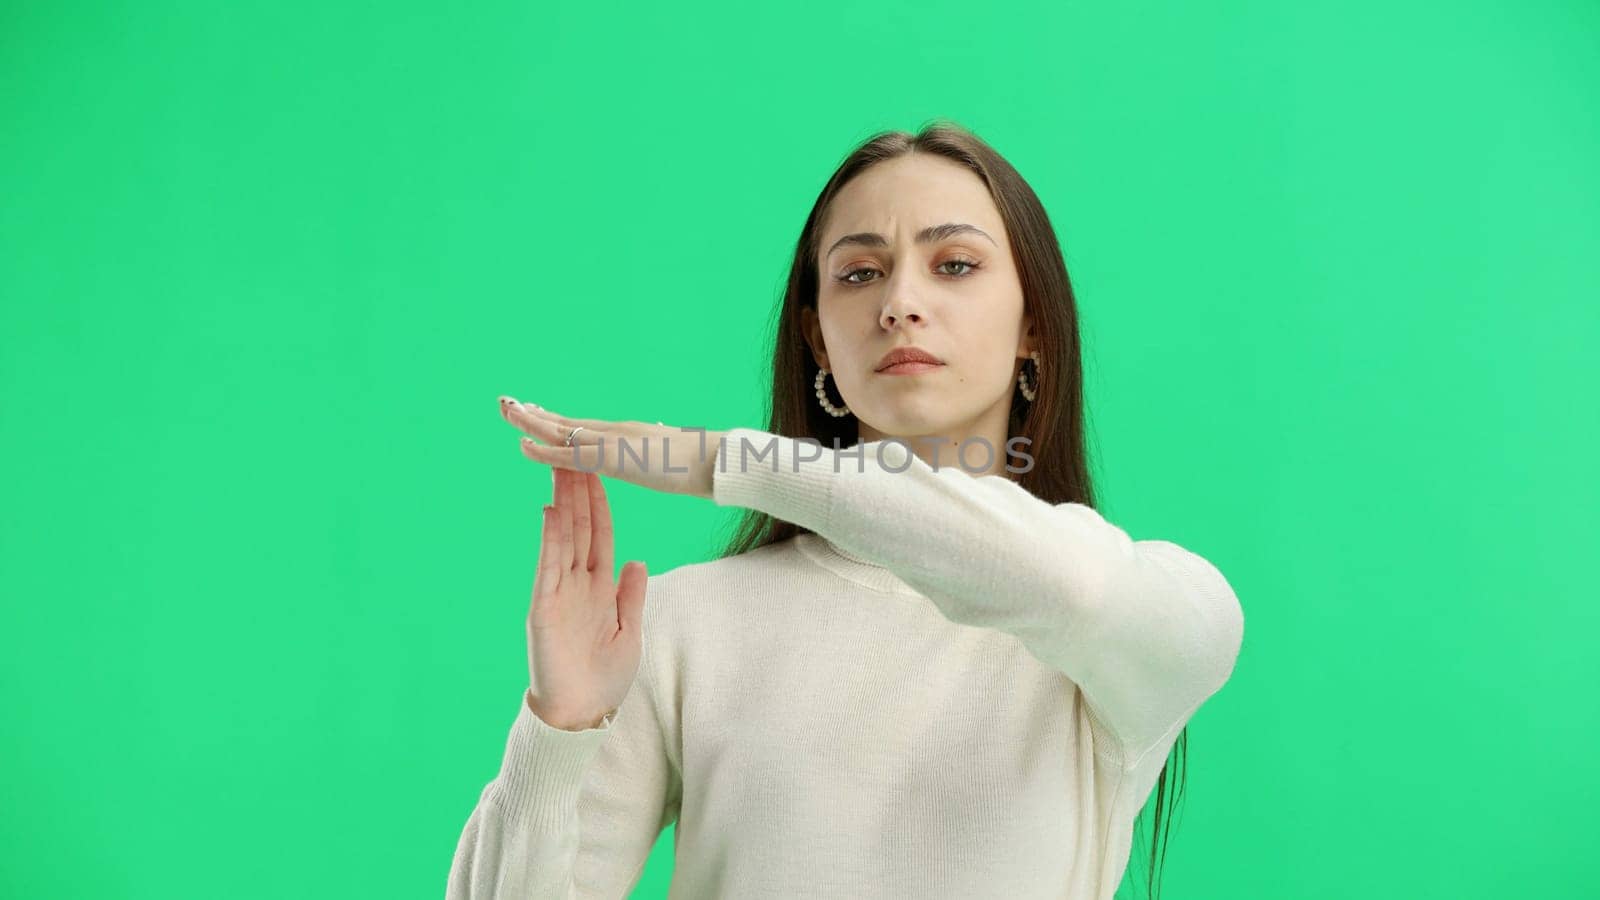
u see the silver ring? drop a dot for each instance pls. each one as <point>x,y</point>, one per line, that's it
<point>572,434</point>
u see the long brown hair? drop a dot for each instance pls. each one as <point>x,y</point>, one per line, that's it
<point>1053,422</point>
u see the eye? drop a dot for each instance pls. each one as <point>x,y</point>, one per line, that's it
<point>847,279</point>
<point>971,266</point>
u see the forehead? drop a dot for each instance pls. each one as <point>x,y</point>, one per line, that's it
<point>907,193</point>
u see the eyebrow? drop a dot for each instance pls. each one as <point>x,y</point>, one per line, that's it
<point>926,236</point>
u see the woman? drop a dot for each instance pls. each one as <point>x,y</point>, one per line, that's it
<point>926,667</point>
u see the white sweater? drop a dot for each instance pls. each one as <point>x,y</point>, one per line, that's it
<point>950,689</point>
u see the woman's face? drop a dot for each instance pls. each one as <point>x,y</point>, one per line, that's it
<point>913,253</point>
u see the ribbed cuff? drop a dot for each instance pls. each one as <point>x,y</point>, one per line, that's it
<point>781,476</point>
<point>544,766</point>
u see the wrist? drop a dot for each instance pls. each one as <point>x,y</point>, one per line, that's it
<point>705,470</point>
<point>565,721</point>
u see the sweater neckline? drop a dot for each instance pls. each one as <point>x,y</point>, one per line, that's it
<point>851,567</point>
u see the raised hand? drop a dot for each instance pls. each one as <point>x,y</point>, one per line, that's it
<point>584,630</point>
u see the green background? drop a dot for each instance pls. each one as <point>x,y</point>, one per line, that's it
<point>266,544</point>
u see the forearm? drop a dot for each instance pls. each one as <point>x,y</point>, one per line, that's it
<point>1145,627</point>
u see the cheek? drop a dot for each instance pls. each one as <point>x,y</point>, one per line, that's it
<point>843,338</point>
<point>846,326</point>
<point>988,355</point>
<point>988,333</point>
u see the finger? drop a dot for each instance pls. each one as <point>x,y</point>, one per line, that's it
<point>556,434</point>
<point>600,513</point>
<point>630,595</point>
<point>550,427</point>
<point>582,528</point>
<point>570,421</point>
<point>563,491</point>
<point>583,457</point>
<point>510,407</point>
<point>548,580</point>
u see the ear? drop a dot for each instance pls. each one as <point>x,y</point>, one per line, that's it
<point>811,325</point>
<point>1027,342</point>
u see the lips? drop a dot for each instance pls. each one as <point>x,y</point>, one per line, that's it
<point>907,354</point>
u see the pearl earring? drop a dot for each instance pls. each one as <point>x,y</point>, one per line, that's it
<point>1031,393</point>
<point>822,396</point>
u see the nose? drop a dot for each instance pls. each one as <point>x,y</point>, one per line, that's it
<point>899,305</point>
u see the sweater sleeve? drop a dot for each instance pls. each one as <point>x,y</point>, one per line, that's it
<point>571,814</point>
<point>1146,629</point>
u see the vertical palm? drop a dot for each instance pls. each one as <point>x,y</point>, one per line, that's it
<point>584,629</point>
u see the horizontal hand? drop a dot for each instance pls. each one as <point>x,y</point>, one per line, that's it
<point>660,457</point>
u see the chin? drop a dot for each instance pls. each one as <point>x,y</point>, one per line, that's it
<point>919,417</point>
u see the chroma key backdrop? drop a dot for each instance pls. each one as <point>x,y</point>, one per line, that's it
<point>267,546</point>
